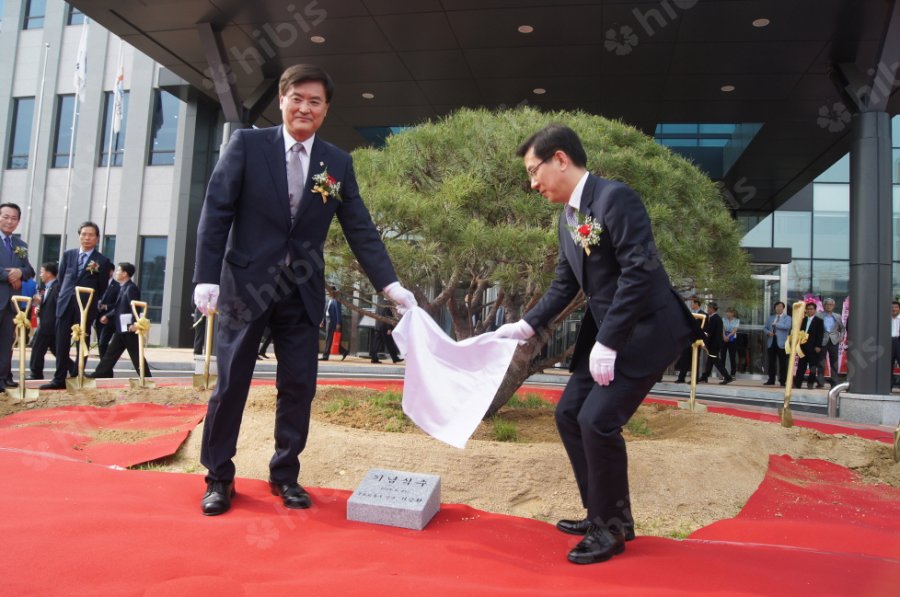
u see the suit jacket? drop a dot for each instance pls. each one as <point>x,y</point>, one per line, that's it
<point>631,305</point>
<point>128,292</point>
<point>47,314</point>
<point>714,330</point>
<point>108,300</point>
<point>781,330</point>
<point>333,313</point>
<point>837,332</point>
<point>814,338</point>
<point>69,277</point>
<point>12,261</point>
<point>245,227</point>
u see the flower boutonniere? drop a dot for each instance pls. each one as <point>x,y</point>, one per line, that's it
<point>21,252</point>
<point>326,185</point>
<point>92,266</point>
<point>586,233</point>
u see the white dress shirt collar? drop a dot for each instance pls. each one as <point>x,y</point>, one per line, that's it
<point>290,142</point>
<point>575,199</point>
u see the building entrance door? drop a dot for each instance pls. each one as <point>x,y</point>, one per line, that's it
<point>771,286</point>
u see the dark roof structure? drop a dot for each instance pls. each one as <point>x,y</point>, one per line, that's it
<point>783,77</point>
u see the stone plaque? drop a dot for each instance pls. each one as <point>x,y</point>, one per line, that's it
<point>396,498</point>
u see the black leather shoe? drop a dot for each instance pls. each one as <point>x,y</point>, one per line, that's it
<point>53,385</point>
<point>581,527</point>
<point>769,383</point>
<point>217,499</point>
<point>10,384</point>
<point>703,380</point>
<point>597,546</point>
<point>293,495</point>
<point>34,377</point>
<point>726,381</point>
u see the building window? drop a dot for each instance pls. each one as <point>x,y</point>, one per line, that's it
<point>74,16</point>
<point>164,129</point>
<point>118,139</point>
<point>109,247</point>
<point>50,247</point>
<point>34,14</point>
<point>62,143</point>
<point>20,137</point>
<point>152,274</point>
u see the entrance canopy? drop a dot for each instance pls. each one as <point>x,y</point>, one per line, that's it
<point>777,78</point>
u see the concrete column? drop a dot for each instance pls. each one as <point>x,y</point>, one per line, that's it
<point>870,254</point>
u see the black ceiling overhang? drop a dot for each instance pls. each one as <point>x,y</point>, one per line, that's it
<point>644,62</point>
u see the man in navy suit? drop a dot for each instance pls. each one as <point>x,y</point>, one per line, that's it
<point>14,268</point>
<point>85,267</point>
<point>268,208</point>
<point>45,337</point>
<point>812,348</point>
<point>634,326</point>
<point>332,324</point>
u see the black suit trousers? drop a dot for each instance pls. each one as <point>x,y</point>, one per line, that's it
<point>7,335</point>
<point>42,343</point>
<point>777,363</point>
<point>296,340</point>
<point>64,364</point>
<point>119,344</point>
<point>589,418</point>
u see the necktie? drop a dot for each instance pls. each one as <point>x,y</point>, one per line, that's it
<point>82,259</point>
<point>8,242</point>
<point>296,179</point>
<point>572,220</point>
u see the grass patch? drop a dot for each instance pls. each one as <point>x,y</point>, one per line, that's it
<point>638,426</point>
<point>381,411</point>
<point>504,431</point>
<point>529,401</point>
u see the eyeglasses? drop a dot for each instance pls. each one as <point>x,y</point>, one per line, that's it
<point>532,172</point>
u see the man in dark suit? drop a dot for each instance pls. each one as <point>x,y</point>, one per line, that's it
<point>812,348</point>
<point>714,329</point>
<point>86,267</point>
<point>268,207</point>
<point>687,357</point>
<point>45,337</point>
<point>634,326</point>
<point>125,337</point>
<point>384,337</point>
<point>332,324</point>
<point>14,268</point>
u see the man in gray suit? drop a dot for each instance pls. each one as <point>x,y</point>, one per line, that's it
<point>14,267</point>
<point>634,326</point>
<point>777,329</point>
<point>831,339</point>
<point>268,208</point>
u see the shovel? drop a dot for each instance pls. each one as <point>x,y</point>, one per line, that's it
<point>205,381</point>
<point>22,325</point>
<point>792,346</point>
<point>692,404</point>
<point>79,333</point>
<point>142,327</point>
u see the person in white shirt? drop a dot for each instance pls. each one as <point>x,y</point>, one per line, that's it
<point>895,338</point>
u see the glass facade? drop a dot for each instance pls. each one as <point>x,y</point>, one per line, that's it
<point>819,234</point>
<point>164,129</point>
<point>34,14</point>
<point>151,274</point>
<point>62,137</point>
<point>74,16</point>
<point>20,133</point>
<point>50,248</point>
<point>109,247</point>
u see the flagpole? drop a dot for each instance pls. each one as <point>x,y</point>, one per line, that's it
<point>109,151</point>
<point>80,76</point>
<point>33,158</point>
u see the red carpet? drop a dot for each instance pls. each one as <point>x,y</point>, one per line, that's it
<point>123,435</point>
<point>81,529</point>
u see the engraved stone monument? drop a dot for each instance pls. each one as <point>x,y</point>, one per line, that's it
<point>396,498</point>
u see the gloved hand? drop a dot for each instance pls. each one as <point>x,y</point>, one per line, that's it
<point>520,330</point>
<point>206,297</point>
<point>405,299</point>
<point>602,364</point>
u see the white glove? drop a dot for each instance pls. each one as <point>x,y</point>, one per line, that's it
<point>405,299</point>
<point>520,330</point>
<point>602,364</point>
<point>206,297</point>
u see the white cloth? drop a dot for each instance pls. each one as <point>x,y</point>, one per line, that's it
<point>448,386</point>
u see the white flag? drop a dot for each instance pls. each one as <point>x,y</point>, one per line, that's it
<point>119,97</point>
<point>81,62</point>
